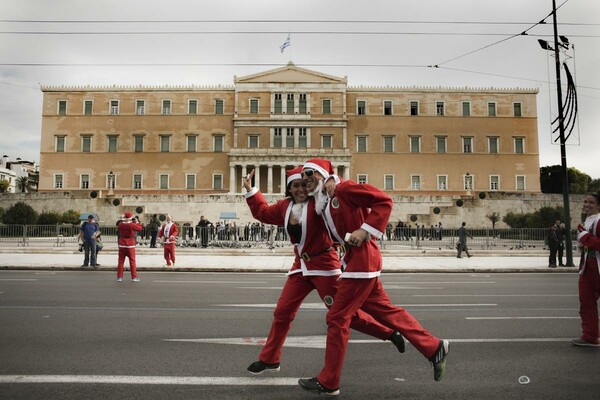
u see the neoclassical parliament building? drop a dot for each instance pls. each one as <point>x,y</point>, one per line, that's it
<point>202,140</point>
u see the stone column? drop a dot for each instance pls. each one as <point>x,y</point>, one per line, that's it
<point>257,176</point>
<point>232,188</point>
<point>283,178</point>
<point>270,178</point>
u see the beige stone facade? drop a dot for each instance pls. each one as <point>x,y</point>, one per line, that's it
<point>201,140</point>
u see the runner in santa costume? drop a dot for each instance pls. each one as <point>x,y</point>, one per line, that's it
<point>589,278</point>
<point>357,214</point>
<point>169,232</point>
<point>127,229</point>
<point>316,266</point>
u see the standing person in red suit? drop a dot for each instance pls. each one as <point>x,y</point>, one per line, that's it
<point>169,233</point>
<point>316,266</point>
<point>355,215</point>
<point>589,278</point>
<point>127,229</point>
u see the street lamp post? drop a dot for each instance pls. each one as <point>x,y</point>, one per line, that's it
<point>561,127</point>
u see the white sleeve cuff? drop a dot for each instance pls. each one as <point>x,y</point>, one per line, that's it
<point>251,192</point>
<point>581,234</point>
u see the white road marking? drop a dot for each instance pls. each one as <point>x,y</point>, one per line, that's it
<point>500,318</point>
<point>261,288</point>
<point>19,280</point>
<point>494,295</point>
<point>318,342</point>
<point>190,281</point>
<point>388,287</point>
<point>436,282</point>
<point>150,380</point>
<point>314,306</point>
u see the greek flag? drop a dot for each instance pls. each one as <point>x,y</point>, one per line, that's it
<point>285,44</point>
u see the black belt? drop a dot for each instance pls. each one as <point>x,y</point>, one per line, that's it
<point>306,257</point>
<point>590,252</point>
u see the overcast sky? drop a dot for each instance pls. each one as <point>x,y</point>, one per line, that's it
<point>372,42</point>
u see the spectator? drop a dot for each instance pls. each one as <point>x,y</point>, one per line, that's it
<point>552,240</point>
<point>462,241</point>
<point>153,226</point>
<point>88,232</point>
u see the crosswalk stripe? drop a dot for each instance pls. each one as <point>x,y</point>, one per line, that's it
<point>150,380</point>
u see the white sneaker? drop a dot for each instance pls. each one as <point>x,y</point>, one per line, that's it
<point>119,279</point>
<point>135,280</point>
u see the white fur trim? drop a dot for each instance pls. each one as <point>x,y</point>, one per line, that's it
<point>293,178</point>
<point>316,167</point>
<point>251,192</point>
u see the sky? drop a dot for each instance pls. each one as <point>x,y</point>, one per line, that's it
<point>474,43</point>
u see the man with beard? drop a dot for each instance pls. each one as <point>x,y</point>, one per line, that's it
<point>355,214</point>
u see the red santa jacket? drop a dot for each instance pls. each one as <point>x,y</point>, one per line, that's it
<point>357,206</point>
<point>314,252</point>
<point>127,231</point>
<point>168,230</point>
<point>589,239</point>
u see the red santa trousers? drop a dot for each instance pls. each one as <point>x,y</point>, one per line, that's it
<point>129,253</point>
<point>368,295</point>
<point>295,290</point>
<point>169,253</point>
<point>589,292</point>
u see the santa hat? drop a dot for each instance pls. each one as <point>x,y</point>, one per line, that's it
<point>293,174</point>
<point>321,166</point>
<point>127,215</point>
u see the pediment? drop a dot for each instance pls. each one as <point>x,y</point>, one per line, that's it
<point>290,74</point>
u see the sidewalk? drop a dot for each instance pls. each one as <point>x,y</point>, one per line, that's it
<point>276,260</point>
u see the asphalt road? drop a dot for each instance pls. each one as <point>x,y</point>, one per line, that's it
<point>76,335</point>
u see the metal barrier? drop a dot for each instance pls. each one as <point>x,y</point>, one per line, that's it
<point>257,235</point>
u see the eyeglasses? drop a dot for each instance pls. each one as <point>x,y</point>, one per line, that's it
<point>307,172</point>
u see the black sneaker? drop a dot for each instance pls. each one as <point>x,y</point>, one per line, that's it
<point>438,360</point>
<point>313,385</point>
<point>258,367</point>
<point>398,341</point>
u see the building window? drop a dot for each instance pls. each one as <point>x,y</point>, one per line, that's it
<point>58,181</point>
<point>218,143</point>
<point>192,107</point>
<point>517,109</point>
<point>112,144</point>
<point>302,105</point>
<point>467,144</point>
<point>362,178</point>
<point>493,145</point>
<point>253,141</point>
<point>388,182</point>
<point>277,139</point>
<point>491,109</point>
<point>140,107</point>
<point>520,182</point>
<point>326,141</point>
<point>219,106</point>
<point>163,181</point>
<point>278,107</point>
<point>137,181</point>
<point>114,107</point>
<point>62,107</point>
<point>519,145</point>
<point>302,138</point>
<point>466,108</point>
<point>88,107</point>
<point>253,106</point>
<point>290,103</point>
<point>138,146</point>
<point>415,182</point>
<point>85,181</point>
<point>439,108</point>
<point>86,144</point>
<point>414,108</point>
<point>326,106</point>
<point>361,107</point>
<point>468,182</point>
<point>166,107</point>
<point>442,182</point>
<point>289,137</point>
<point>190,182</point>
<point>191,143</point>
<point>387,107</point>
<point>217,182</point>
<point>440,144</point>
<point>60,144</point>
<point>388,144</point>
<point>165,143</point>
<point>494,182</point>
<point>361,144</point>
<point>415,144</point>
